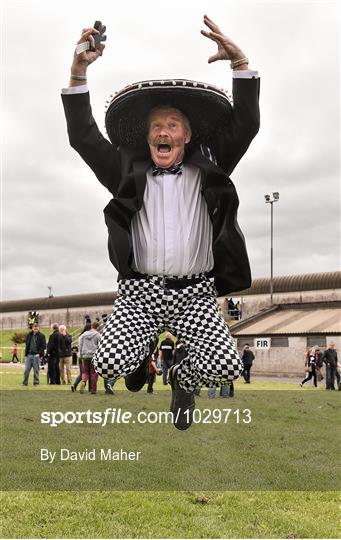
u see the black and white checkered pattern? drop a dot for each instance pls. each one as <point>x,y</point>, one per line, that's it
<point>144,309</point>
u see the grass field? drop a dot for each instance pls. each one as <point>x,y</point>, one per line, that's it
<point>284,480</point>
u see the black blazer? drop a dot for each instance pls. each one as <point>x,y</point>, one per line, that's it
<point>123,172</point>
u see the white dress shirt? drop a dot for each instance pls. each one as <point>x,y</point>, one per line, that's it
<point>172,233</point>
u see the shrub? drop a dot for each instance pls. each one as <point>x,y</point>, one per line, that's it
<point>19,337</point>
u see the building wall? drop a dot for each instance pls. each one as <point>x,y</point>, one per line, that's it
<point>285,361</point>
<point>71,317</point>
<point>252,304</point>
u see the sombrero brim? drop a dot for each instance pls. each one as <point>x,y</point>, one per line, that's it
<point>207,108</point>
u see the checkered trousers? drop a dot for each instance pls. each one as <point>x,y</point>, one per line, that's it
<point>144,309</point>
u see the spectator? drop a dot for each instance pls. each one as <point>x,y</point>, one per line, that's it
<point>237,311</point>
<point>180,353</point>
<point>109,385</point>
<point>247,359</point>
<point>87,327</point>
<point>74,352</point>
<point>88,343</point>
<point>34,349</point>
<point>79,376</point>
<point>310,364</point>
<point>53,372</point>
<point>226,390</point>
<point>65,355</point>
<point>78,379</point>
<point>153,370</point>
<point>166,354</point>
<point>319,363</point>
<point>331,360</point>
<point>15,358</point>
<point>230,308</point>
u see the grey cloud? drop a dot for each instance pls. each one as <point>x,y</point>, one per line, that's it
<point>54,228</point>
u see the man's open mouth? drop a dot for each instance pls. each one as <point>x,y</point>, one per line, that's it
<point>163,148</point>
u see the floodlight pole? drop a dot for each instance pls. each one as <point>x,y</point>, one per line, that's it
<point>270,200</point>
<point>272,254</point>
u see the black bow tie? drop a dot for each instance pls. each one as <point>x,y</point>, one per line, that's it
<point>176,169</point>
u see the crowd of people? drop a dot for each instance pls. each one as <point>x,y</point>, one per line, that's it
<point>61,351</point>
<point>314,363</point>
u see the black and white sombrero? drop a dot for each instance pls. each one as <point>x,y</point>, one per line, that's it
<point>208,109</point>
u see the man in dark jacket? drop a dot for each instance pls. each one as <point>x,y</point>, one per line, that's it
<point>331,360</point>
<point>172,141</point>
<point>65,355</point>
<point>166,356</point>
<point>319,363</point>
<point>53,373</point>
<point>34,350</point>
<point>247,359</point>
<point>180,353</point>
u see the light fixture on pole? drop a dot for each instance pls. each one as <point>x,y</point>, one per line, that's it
<point>270,200</point>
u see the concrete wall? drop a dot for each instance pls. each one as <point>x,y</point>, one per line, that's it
<point>285,361</point>
<point>70,317</point>
<point>252,304</point>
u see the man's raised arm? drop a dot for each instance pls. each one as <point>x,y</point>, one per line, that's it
<point>84,135</point>
<point>230,145</point>
<point>81,60</point>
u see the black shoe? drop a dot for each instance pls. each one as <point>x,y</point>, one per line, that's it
<point>109,390</point>
<point>73,389</point>
<point>136,380</point>
<point>182,404</point>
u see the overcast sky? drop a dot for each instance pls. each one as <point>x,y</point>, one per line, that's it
<point>53,228</point>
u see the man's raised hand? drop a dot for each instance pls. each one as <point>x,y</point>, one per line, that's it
<point>83,59</point>
<point>227,50</point>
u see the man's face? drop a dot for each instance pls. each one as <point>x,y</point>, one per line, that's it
<point>167,136</point>
<point>35,328</point>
